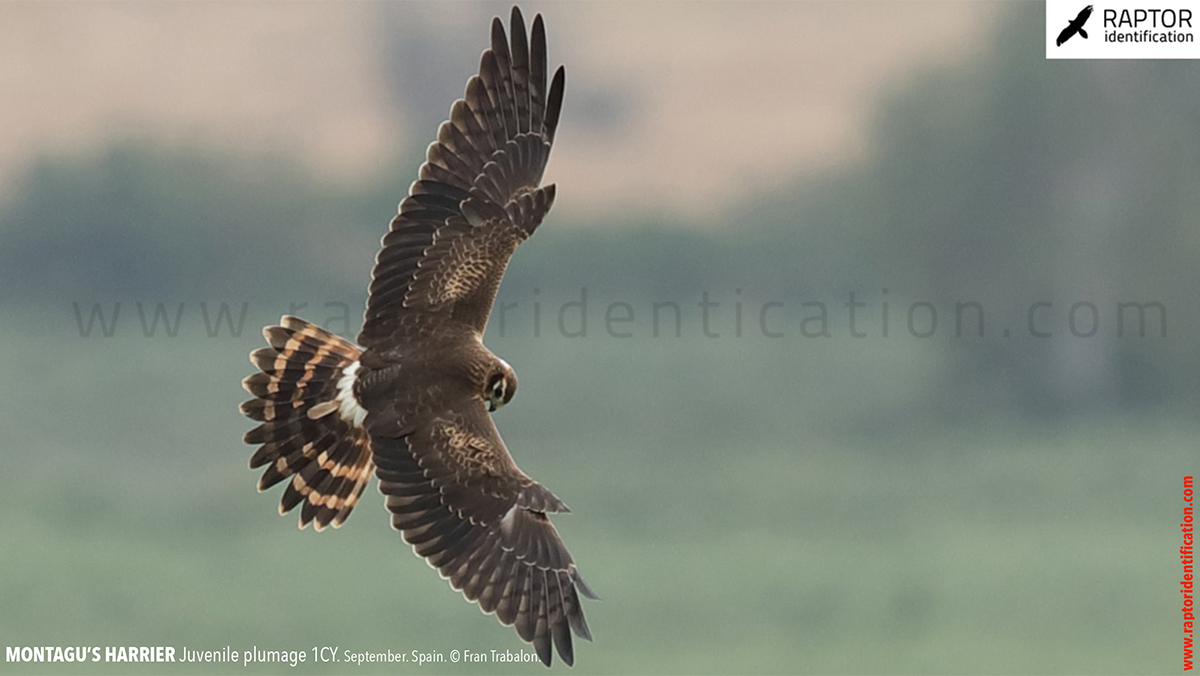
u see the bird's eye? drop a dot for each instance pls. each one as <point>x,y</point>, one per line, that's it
<point>496,389</point>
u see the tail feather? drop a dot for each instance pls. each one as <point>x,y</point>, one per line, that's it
<point>304,435</point>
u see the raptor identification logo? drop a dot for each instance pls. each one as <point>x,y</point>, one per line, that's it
<point>1123,29</point>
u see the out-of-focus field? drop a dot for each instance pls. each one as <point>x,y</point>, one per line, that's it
<point>727,526</point>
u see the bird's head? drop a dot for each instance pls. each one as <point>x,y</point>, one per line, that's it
<point>501,385</point>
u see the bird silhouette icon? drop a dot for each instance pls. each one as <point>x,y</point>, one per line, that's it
<point>1075,26</point>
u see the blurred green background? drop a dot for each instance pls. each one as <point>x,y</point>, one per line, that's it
<point>996,503</point>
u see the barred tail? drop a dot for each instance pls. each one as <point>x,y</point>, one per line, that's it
<point>311,426</point>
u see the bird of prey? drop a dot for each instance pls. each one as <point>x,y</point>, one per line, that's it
<point>410,402</point>
<point>1075,26</point>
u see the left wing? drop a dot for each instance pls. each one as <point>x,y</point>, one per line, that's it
<point>458,498</point>
<point>477,197</point>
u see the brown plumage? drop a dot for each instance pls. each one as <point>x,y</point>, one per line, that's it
<point>411,404</point>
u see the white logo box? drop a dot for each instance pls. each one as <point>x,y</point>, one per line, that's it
<point>1129,29</point>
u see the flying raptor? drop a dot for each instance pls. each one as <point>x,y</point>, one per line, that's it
<point>1075,26</point>
<point>410,402</point>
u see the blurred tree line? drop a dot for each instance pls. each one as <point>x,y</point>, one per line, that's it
<point>1005,181</point>
<point>1015,180</point>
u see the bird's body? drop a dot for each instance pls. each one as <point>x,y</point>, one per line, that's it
<point>410,403</point>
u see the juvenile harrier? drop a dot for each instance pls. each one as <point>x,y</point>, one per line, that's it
<point>411,404</point>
